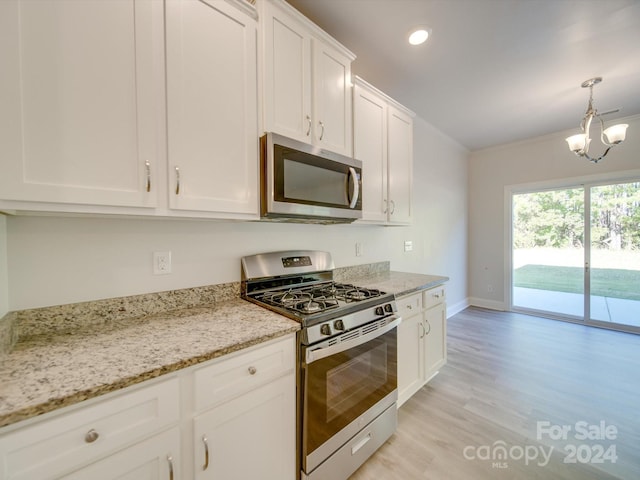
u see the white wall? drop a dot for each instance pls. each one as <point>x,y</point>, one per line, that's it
<point>58,260</point>
<point>540,160</point>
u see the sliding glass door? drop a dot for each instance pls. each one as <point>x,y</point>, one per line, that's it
<point>576,253</point>
<point>548,251</point>
<point>615,254</point>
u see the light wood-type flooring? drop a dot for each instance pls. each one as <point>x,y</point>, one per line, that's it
<point>529,385</point>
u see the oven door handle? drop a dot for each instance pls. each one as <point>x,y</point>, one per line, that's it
<point>313,354</point>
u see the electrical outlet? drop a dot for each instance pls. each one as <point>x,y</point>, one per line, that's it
<point>358,249</point>
<point>408,245</point>
<point>161,263</point>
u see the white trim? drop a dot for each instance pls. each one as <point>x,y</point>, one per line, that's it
<point>457,307</point>
<point>484,303</point>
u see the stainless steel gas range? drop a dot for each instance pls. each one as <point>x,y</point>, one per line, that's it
<point>347,358</point>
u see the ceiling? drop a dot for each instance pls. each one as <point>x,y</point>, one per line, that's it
<point>493,71</point>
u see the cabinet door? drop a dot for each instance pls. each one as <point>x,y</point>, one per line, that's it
<point>435,340</point>
<point>400,166</point>
<point>212,108</point>
<point>249,437</point>
<point>78,92</point>
<point>370,147</point>
<point>410,357</point>
<point>332,99</point>
<point>287,78</point>
<point>157,458</point>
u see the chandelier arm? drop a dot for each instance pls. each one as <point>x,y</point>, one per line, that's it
<point>602,134</point>
<point>596,160</point>
<point>586,128</point>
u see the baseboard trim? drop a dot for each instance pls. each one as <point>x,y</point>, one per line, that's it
<point>457,307</point>
<point>490,304</point>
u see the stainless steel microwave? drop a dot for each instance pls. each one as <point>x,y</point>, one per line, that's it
<point>303,183</point>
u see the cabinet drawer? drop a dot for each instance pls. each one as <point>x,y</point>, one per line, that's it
<point>409,305</point>
<point>228,378</point>
<point>65,442</point>
<point>434,296</point>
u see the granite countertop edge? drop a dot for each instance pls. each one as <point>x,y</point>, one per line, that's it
<point>43,373</point>
<point>56,360</point>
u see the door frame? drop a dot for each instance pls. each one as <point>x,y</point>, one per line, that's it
<point>585,182</point>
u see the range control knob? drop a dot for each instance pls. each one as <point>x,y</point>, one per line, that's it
<point>388,308</point>
<point>338,325</point>
<point>379,311</point>
<point>325,329</point>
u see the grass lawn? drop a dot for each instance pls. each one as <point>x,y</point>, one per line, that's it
<point>605,282</point>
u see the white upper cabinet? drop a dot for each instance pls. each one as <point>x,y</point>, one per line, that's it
<point>383,141</point>
<point>212,110</point>
<point>370,146</point>
<point>400,160</point>
<point>78,94</point>
<point>306,80</point>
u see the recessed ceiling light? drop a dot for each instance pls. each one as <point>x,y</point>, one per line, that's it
<point>419,35</point>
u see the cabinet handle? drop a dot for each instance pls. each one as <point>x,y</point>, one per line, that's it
<point>386,206</point>
<point>170,460</point>
<point>252,370</point>
<point>91,436</point>
<point>410,307</point>
<point>322,132</point>
<point>206,452</point>
<point>428,331</point>
<point>308,125</point>
<point>177,181</point>
<point>147,166</point>
<point>393,207</point>
<point>424,332</point>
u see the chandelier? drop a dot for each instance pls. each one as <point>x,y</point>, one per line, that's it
<point>579,144</point>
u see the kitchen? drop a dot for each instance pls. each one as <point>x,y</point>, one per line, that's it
<point>102,257</point>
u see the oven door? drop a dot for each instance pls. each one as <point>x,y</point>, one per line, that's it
<point>347,381</point>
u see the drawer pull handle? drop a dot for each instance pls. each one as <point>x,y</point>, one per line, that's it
<point>410,307</point>
<point>206,452</point>
<point>436,295</point>
<point>91,436</point>
<point>253,370</point>
<point>148,170</point>
<point>170,460</point>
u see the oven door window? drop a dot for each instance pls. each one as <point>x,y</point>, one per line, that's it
<point>339,388</point>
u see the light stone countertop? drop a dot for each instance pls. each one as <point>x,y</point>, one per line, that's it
<point>60,356</point>
<point>44,372</point>
<point>398,283</point>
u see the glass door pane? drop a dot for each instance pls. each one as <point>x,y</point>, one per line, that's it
<point>615,253</point>
<point>548,251</point>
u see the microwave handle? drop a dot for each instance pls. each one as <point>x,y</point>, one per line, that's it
<point>353,175</point>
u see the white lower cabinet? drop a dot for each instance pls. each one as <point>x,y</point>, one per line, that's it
<point>422,338</point>
<point>157,458</point>
<point>229,418</point>
<point>249,437</point>
<point>103,431</point>
<point>244,427</point>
